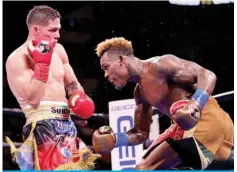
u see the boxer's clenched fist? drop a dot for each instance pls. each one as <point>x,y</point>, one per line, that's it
<point>185,113</point>
<point>41,50</point>
<point>103,140</point>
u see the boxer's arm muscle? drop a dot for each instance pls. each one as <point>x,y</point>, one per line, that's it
<point>70,80</point>
<point>142,120</point>
<point>187,72</point>
<point>20,80</point>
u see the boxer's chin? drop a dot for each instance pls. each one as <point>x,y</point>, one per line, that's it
<point>119,86</point>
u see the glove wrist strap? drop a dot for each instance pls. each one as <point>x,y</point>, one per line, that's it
<point>41,72</point>
<point>201,96</point>
<point>121,139</point>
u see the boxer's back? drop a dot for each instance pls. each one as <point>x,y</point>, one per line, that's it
<point>54,90</point>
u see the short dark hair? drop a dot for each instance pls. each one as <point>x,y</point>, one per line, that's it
<point>41,15</point>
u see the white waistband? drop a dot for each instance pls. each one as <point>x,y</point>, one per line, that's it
<point>49,103</point>
<point>47,110</point>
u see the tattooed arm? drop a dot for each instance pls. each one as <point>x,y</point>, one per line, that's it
<point>70,81</point>
<point>73,86</point>
<point>143,118</point>
<point>187,72</point>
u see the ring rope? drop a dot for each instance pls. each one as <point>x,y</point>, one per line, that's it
<point>224,94</point>
<point>20,111</point>
<point>17,110</point>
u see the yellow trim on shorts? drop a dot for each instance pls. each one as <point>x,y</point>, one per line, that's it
<point>44,112</point>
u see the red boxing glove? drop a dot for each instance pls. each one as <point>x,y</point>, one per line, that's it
<point>41,50</point>
<point>185,113</point>
<point>177,105</point>
<point>81,104</point>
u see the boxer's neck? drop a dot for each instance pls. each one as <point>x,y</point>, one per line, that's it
<point>135,69</point>
<point>30,37</point>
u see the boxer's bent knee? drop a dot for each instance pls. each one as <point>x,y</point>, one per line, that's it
<point>142,167</point>
<point>144,164</point>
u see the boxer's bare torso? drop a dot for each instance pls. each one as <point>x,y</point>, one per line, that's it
<point>54,89</point>
<point>157,89</point>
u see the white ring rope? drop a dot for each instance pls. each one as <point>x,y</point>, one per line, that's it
<point>223,94</point>
<point>215,96</point>
<point>20,111</point>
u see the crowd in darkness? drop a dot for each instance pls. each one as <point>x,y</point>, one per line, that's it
<point>203,34</point>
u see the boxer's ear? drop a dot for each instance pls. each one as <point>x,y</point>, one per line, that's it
<point>122,59</point>
<point>35,30</point>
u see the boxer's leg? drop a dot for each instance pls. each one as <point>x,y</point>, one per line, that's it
<point>47,156</point>
<point>171,153</point>
<point>77,156</point>
<point>161,157</point>
<point>44,145</point>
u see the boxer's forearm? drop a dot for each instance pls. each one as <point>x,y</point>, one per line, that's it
<point>206,80</point>
<point>136,137</point>
<point>72,87</point>
<point>35,91</point>
<point>142,119</point>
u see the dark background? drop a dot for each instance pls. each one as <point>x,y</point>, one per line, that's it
<point>203,34</point>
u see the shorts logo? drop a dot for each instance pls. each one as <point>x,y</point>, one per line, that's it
<point>66,152</point>
<point>194,113</point>
<point>60,110</point>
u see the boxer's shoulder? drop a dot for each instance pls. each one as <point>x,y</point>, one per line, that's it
<point>168,57</point>
<point>154,59</point>
<point>17,56</point>
<point>58,47</point>
<point>61,52</point>
<point>154,66</point>
<point>158,59</point>
<point>167,63</point>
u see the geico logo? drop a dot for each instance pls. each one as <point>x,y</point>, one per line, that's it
<point>127,154</point>
<point>124,123</point>
<point>60,110</point>
<point>127,157</point>
<point>123,107</point>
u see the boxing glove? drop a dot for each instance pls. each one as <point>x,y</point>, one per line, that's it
<point>104,139</point>
<point>186,113</point>
<point>81,104</point>
<point>41,50</point>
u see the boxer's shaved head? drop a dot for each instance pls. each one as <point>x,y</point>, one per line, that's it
<point>41,15</point>
<point>115,45</point>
